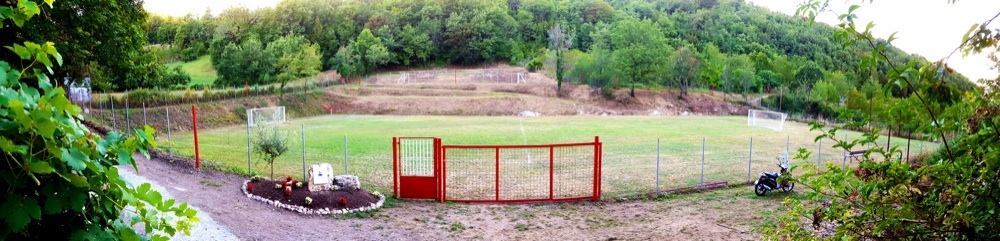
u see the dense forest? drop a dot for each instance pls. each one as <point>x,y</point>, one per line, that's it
<point>727,44</point>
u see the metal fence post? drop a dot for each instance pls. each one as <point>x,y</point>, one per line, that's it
<point>249,170</point>
<point>128,119</point>
<point>101,119</point>
<point>303,131</point>
<point>114,119</point>
<point>788,140</point>
<point>657,166</point>
<point>819,154</point>
<point>750,161</point>
<point>844,165</point>
<point>702,161</point>
<point>144,114</point>
<point>346,170</point>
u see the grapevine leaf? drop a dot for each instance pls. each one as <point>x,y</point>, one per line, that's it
<point>20,50</point>
<point>124,158</point>
<point>18,211</point>
<point>75,159</point>
<point>30,8</point>
<point>4,67</point>
<point>40,167</point>
<point>77,200</point>
<point>77,180</point>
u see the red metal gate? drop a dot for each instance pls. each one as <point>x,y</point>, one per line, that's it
<point>497,173</point>
<point>416,167</point>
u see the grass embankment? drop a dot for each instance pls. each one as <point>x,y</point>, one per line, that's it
<point>200,69</point>
<point>630,145</point>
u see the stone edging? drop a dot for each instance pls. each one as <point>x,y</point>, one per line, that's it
<point>306,210</point>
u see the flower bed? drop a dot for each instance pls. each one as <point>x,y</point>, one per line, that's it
<point>321,202</point>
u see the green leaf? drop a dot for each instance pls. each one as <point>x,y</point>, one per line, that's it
<point>75,159</point>
<point>968,34</point>
<point>4,67</point>
<point>124,158</point>
<point>21,51</point>
<point>43,81</point>
<point>77,200</point>
<point>18,211</point>
<point>77,180</point>
<point>30,8</point>
<point>142,189</point>
<point>892,37</point>
<point>40,167</point>
<point>853,7</point>
<point>54,204</point>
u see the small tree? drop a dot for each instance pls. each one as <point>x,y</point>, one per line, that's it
<point>270,144</point>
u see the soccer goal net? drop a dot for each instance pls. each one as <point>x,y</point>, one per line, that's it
<point>265,116</point>
<point>767,119</point>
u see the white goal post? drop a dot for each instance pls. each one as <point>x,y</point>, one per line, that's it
<point>266,116</point>
<point>767,119</point>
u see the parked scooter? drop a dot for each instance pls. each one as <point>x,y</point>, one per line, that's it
<point>769,181</point>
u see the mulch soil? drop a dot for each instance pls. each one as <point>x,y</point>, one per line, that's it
<point>321,199</point>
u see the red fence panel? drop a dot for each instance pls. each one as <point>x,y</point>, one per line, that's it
<point>424,168</point>
<point>521,173</point>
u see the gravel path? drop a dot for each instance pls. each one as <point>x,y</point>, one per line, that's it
<point>205,229</point>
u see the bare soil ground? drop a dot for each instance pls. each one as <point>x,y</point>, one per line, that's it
<point>700,216</point>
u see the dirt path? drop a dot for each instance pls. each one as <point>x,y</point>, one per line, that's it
<point>700,216</point>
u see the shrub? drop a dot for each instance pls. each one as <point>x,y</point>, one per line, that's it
<point>342,201</point>
<point>250,187</point>
<point>175,76</point>
<point>534,65</point>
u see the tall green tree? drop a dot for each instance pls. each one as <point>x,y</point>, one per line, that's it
<point>686,68</point>
<point>639,51</point>
<point>294,58</point>
<point>106,36</point>
<point>714,63</point>
<point>61,181</point>
<point>559,42</point>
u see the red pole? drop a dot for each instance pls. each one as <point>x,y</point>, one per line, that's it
<point>444,173</point>
<point>247,86</point>
<point>395,167</point>
<point>194,119</point>
<point>600,169</point>
<point>437,166</point>
<point>597,167</point>
<point>551,171</point>
<point>498,174</point>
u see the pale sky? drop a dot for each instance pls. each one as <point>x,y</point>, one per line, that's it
<point>931,28</point>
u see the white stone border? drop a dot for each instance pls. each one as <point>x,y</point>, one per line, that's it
<point>306,210</point>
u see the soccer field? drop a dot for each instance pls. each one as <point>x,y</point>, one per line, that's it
<point>630,145</point>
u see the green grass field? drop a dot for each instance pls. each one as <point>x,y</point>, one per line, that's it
<point>201,70</point>
<point>630,145</point>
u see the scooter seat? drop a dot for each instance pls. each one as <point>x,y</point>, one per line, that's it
<point>771,175</point>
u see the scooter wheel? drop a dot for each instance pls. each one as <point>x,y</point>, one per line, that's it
<point>788,188</point>
<point>760,189</point>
